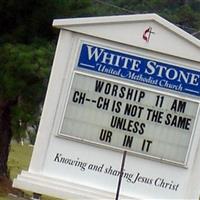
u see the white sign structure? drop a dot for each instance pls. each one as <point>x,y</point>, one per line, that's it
<point>115,88</point>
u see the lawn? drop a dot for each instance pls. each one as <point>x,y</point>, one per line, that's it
<point>19,159</point>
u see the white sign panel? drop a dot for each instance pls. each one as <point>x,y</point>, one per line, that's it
<point>125,117</point>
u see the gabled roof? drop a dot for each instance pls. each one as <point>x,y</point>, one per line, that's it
<point>129,29</point>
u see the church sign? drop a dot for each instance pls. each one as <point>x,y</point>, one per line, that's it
<point>121,114</point>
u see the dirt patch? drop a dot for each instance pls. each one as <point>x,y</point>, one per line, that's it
<point>6,187</point>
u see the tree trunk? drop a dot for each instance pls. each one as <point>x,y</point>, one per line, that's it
<point>5,136</point>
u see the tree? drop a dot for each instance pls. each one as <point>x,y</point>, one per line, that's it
<point>23,79</point>
<point>25,60</point>
<point>24,20</point>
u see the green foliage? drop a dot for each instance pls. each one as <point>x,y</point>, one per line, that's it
<point>188,17</point>
<point>78,8</point>
<point>24,72</point>
<point>185,13</point>
<point>26,56</point>
<point>25,20</point>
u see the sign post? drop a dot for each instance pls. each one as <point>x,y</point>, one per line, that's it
<point>119,96</point>
<point>121,175</point>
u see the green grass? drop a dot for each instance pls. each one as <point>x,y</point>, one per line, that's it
<point>2,197</point>
<point>19,159</point>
